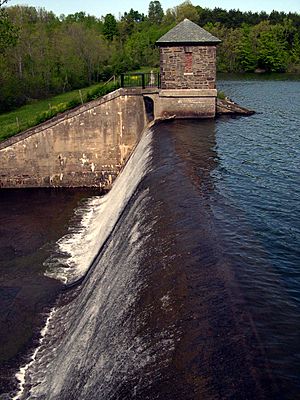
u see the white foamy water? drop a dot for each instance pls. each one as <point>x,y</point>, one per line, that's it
<point>96,343</point>
<point>77,250</point>
<point>23,370</point>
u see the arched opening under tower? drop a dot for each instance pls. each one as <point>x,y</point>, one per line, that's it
<point>149,108</point>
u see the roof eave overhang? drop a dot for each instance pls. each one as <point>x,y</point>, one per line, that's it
<point>173,44</point>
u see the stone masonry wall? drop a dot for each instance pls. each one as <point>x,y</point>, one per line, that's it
<point>186,107</point>
<point>83,147</point>
<point>188,67</point>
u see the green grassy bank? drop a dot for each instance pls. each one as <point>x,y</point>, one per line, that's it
<point>39,111</point>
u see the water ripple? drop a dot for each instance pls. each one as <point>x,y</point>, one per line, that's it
<point>257,203</point>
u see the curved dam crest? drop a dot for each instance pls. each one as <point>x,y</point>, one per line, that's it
<point>194,293</point>
<point>160,314</point>
<point>77,251</point>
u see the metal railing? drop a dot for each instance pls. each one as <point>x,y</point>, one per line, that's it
<point>143,80</point>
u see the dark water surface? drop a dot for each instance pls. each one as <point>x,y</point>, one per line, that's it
<point>196,294</point>
<point>258,179</point>
<point>31,221</point>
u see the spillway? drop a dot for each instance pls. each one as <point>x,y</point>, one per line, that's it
<point>161,312</point>
<point>155,315</point>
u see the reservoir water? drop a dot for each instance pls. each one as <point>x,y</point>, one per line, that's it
<point>194,288</point>
<point>31,223</point>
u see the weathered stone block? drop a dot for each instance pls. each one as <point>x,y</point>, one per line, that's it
<point>83,147</point>
<point>174,63</point>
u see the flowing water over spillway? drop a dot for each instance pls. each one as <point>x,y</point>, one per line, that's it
<point>77,250</point>
<point>195,291</point>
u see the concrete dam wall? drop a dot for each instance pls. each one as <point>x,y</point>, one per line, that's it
<point>86,146</point>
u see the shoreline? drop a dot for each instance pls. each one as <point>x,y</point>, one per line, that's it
<point>229,107</point>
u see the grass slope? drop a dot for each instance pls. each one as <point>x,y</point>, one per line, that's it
<point>38,111</point>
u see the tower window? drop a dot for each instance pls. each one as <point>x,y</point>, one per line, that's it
<point>188,63</point>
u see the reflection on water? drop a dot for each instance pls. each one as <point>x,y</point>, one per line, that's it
<point>257,208</point>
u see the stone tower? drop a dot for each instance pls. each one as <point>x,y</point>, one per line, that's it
<point>188,71</point>
<point>188,57</point>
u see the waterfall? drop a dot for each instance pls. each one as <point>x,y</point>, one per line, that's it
<point>75,255</point>
<point>77,250</point>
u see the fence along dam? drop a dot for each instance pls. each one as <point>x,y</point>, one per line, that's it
<point>89,145</point>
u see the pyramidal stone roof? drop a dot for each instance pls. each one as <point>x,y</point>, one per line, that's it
<point>187,32</point>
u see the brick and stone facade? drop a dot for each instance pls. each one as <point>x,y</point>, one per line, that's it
<point>188,67</point>
<point>187,72</point>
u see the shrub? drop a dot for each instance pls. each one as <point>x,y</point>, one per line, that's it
<point>102,91</point>
<point>72,104</point>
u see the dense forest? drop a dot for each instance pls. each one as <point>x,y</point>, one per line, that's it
<point>43,54</point>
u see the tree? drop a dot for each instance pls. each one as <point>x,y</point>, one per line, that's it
<point>272,54</point>
<point>110,28</point>
<point>186,10</point>
<point>295,51</point>
<point>141,48</point>
<point>180,12</point>
<point>129,23</point>
<point>42,55</point>
<point>8,33</point>
<point>155,12</point>
<point>228,50</point>
<point>133,16</point>
<point>246,51</point>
